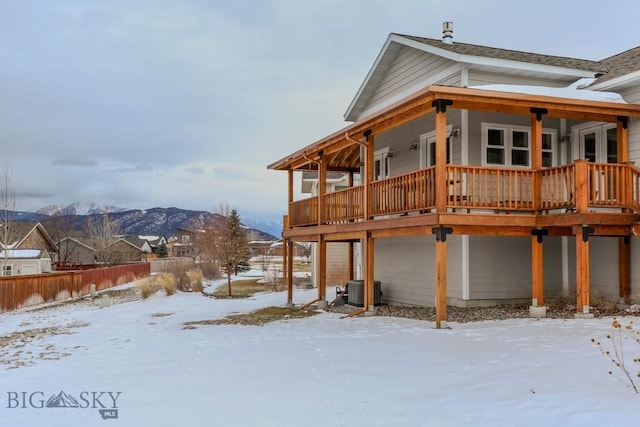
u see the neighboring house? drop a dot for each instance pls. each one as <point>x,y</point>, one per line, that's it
<point>259,248</point>
<point>22,262</point>
<point>488,176</point>
<point>127,249</point>
<point>154,241</point>
<point>275,249</point>
<point>76,251</point>
<point>183,243</point>
<point>28,249</point>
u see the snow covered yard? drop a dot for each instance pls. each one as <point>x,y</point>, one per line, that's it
<point>318,371</point>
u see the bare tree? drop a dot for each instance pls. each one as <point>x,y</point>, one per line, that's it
<point>102,233</point>
<point>7,214</point>
<point>60,227</point>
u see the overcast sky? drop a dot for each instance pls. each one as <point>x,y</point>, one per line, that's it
<point>183,103</point>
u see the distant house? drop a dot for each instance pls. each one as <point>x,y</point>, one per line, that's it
<point>128,249</point>
<point>21,262</point>
<point>75,251</point>
<point>154,241</point>
<point>259,247</point>
<point>27,250</point>
<point>183,243</point>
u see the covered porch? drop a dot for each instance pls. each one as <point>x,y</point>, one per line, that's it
<point>579,199</point>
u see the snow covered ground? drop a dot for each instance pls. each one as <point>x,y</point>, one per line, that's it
<point>318,371</point>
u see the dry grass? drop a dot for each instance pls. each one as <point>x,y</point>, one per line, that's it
<point>168,282</point>
<point>194,277</point>
<point>240,289</point>
<point>147,287</point>
<point>255,318</point>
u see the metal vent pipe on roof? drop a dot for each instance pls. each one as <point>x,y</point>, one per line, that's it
<point>447,32</point>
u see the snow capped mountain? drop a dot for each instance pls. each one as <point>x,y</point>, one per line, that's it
<point>80,208</point>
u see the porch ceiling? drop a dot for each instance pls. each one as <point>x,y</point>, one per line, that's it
<point>341,150</point>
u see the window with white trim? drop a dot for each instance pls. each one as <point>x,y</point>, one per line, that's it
<point>7,270</point>
<point>508,145</point>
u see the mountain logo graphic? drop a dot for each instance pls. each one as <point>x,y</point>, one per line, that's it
<point>62,400</point>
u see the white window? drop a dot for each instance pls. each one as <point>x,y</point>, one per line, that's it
<point>381,164</point>
<point>506,145</point>
<point>7,270</point>
<point>428,148</point>
<point>185,238</point>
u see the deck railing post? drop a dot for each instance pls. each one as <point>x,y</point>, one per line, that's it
<point>582,185</point>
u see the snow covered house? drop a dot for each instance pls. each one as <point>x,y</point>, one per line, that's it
<point>487,176</point>
<point>27,249</point>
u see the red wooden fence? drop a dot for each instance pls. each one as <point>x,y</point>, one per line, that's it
<point>23,291</point>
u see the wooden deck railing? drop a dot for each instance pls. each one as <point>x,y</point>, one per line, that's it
<point>607,185</point>
<point>404,193</point>
<point>557,187</point>
<point>490,188</point>
<point>344,205</point>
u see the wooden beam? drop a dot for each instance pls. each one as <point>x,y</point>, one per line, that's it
<point>624,268</point>
<point>536,156</point>
<point>622,136</point>
<point>537,293</point>
<point>288,266</point>
<point>368,174</point>
<point>369,288</point>
<point>441,282</point>
<point>582,185</point>
<point>442,189</point>
<point>322,269</point>
<point>322,189</point>
<point>582,274</point>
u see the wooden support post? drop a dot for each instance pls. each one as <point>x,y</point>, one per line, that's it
<point>369,288</point>
<point>622,135</point>
<point>322,272</point>
<point>442,185</point>
<point>441,282</point>
<point>581,172</point>
<point>537,294</point>
<point>536,155</point>
<point>582,272</point>
<point>290,192</point>
<point>289,273</point>
<point>368,174</point>
<point>322,189</point>
<point>624,268</point>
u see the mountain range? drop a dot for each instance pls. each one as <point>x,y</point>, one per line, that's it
<point>155,221</point>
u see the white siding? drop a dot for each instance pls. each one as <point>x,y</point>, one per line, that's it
<point>411,70</point>
<point>398,140</point>
<point>479,78</point>
<point>405,266</point>
<point>500,267</point>
<point>632,96</point>
<point>603,267</point>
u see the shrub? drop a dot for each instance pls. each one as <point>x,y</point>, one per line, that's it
<point>147,287</point>
<point>273,280</point>
<point>614,350</point>
<point>210,271</point>
<point>168,282</point>
<point>194,278</point>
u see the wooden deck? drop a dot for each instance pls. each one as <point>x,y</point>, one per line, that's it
<point>473,192</point>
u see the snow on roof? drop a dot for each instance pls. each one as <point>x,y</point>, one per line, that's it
<point>577,90</point>
<point>21,253</point>
<point>150,238</point>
